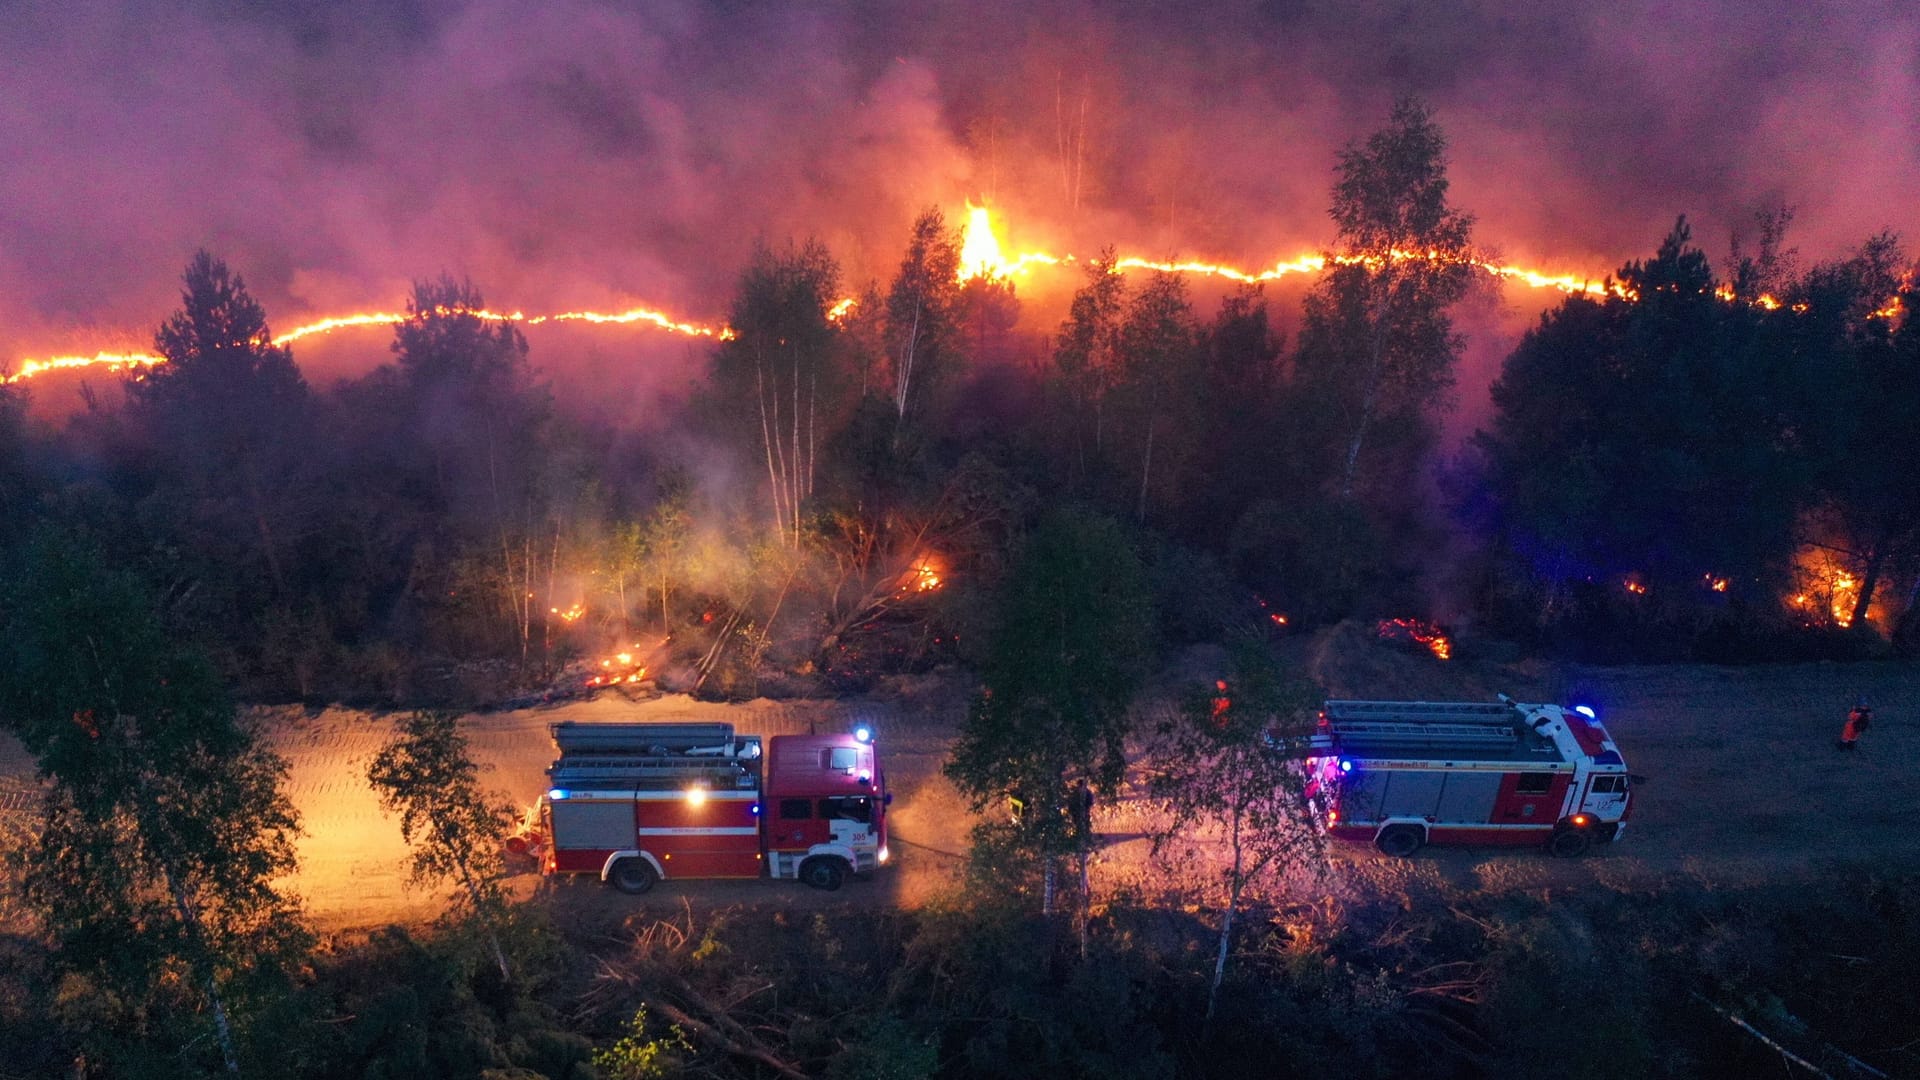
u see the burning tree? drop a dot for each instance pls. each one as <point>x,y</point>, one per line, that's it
<point>1226,767</point>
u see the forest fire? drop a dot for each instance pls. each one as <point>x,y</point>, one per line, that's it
<point>982,255</point>
<point>922,577</point>
<point>1828,593</point>
<point>571,615</point>
<point>620,669</point>
<point>1419,632</point>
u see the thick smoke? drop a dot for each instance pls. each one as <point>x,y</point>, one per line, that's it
<point>594,155</point>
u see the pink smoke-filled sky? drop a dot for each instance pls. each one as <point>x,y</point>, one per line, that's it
<point>579,154</point>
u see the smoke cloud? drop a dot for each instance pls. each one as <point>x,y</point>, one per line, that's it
<point>583,154</point>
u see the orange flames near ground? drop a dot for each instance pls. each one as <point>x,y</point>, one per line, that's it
<point>1419,632</point>
<point>571,615</point>
<point>924,576</point>
<point>620,668</point>
<point>1829,592</point>
<point>982,255</point>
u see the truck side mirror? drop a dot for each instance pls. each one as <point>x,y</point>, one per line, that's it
<point>887,799</point>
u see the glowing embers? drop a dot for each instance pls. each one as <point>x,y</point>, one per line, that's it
<point>922,576</point>
<point>1826,593</point>
<point>1419,632</point>
<point>622,668</point>
<point>571,615</point>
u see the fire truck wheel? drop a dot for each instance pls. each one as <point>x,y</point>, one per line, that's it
<point>518,845</point>
<point>823,873</point>
<point>1399,841</point>
<point>632,876</point>
<point>1570,843</point>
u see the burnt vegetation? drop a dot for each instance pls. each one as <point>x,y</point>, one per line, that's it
<point>1689,466</point>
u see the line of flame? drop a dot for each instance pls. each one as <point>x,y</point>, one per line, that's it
<point>981,257</point>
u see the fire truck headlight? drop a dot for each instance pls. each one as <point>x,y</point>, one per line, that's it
<point>557,793</point>
<point>1586,711</point>
<point>696,796</point>
<point>883,853</point>
<point>863,733</point>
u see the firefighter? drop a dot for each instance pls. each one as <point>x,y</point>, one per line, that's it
<point>1859,718</point>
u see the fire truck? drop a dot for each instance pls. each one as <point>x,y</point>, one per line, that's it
<point>1404,774</point>
<point>636,803</point>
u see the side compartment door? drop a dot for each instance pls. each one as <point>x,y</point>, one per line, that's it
<point>1530,798</point>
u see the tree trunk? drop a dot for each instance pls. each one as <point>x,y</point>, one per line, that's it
<point>1876,561</point>
<point>480,912</point>
<point>1226,940</point>
<point>190,919</point>
<point>1369,398</point>
<point>1146,471</point>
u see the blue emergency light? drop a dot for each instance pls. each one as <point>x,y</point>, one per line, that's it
<point>1586,711</point>
<point>557,793</point>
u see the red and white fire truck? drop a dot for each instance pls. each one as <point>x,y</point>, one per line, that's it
<point>1404,774</point>
<point>637,803</point>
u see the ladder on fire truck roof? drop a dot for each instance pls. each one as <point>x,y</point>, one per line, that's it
<point>717,774</point>
<point>647,740</point>
<point>1469,722</point>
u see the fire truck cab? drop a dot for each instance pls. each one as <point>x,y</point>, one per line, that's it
<point>1404,774</point>
<point>637,803</point>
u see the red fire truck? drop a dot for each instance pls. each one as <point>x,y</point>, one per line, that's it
<point>1404,774</point>
<point>636,803</point>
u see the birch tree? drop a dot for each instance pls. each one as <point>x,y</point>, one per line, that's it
<point>780,374</point>
<point>922,313</point>
<point>427,775</point>
<point>1226,770</point>
<point>1376,342</point>
<point>164,832</point>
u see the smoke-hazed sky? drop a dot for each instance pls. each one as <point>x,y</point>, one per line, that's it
<point>579,154</point>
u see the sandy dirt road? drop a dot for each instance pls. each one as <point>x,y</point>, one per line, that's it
<point>1742,785</point>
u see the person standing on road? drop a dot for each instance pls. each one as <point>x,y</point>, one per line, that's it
<point>1858,720</point>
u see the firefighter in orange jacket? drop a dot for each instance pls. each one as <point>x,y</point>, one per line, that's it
<point>1858,720</point>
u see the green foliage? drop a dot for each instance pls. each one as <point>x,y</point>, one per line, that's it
<point>427,775</point>
<point>1228,766</point>
<point>638,1055</point>
<point>778,385</point>
<point>164,833</point>
<point>923,328</point>
<point>1377,348</point>
<point>1069,652</point>
<point>1681,440</point>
